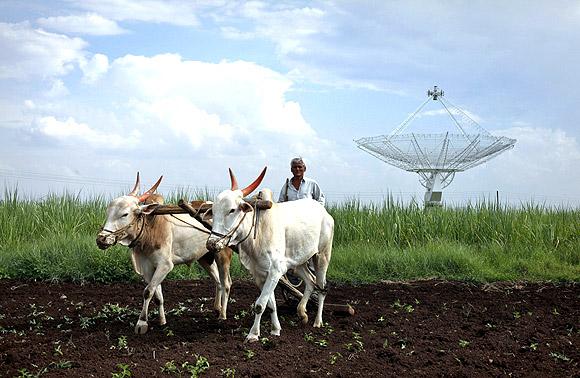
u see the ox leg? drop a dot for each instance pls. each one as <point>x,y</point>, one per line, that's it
<point>223,260</point>
<point>303,272</point>
<point>274,316</point>
<point>159,297</point>
<point>158,276</point>
<point>321,263</point>
<point>212,270</point>
<point>267,293</point>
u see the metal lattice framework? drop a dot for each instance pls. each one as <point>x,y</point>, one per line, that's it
<point>436,157</point>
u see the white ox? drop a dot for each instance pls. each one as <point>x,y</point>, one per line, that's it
<point>286,237</point>
<point>159,242</point>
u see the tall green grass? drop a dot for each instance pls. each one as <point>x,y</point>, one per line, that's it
<point>54,238</point>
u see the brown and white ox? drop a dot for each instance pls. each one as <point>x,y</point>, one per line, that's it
<point>286,237</point>
<point>158,243</point>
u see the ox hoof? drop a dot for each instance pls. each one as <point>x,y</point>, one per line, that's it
<point>275,332</point>
<point>317,325</point>
<point>251,339</point>
<point>141,327</point>
<point>162,322</point>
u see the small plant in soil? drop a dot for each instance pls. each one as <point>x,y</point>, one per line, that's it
<point>195,370</point>
<point>327,329</point>
<point>249,354</point>
<point>179,310</point>
<point>62,364</point>
<point>357,344</point>
<point>560,357</point>
<point>266,343</point>
<point>57,350</point>
<point>170,368</point>
<point>464,343</point>
<point>122,344</point>
<point>397,305</point>
<point>123,372</point>
<point>228,372</point>
<point>334,357</point>
<point>321,343</point>
<point>240,315</point>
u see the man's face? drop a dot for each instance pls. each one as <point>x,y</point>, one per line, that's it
<point>298,169</point>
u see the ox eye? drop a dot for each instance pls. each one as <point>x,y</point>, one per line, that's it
<point>124,215</point>
<point>232,211</point>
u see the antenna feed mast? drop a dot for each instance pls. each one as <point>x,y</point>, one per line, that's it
<point>435,93</point>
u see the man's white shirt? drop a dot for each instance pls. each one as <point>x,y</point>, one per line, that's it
<point>308,189</point>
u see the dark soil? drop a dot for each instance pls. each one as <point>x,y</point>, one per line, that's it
<point>423,328</point>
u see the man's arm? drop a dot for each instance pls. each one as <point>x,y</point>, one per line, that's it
<point>317,193</point>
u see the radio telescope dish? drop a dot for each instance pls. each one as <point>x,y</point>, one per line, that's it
<point>436,156</point>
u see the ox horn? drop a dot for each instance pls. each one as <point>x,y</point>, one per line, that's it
<point>233,179</point>
<point>145,195</point>
<point>250,188</point>
<point>135,191</point>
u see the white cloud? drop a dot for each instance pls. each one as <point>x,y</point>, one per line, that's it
<point>57,89</point>
<point>95,68</point>
<point>71,131</point>
<point>26,52</point>
<point>172,12</point>
<point>236,98</point>
<point>543,162</point>
<point>217,110</point>
<point>88,23</point>
<point>289,27</point>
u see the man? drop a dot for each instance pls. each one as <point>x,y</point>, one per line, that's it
<point>298,186</point>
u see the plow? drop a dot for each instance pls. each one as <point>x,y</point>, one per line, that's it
<point>289,284</point>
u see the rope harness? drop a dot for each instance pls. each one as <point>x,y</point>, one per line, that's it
<point>205,231</point>
<point>122,232</point>
<point>232,232</point>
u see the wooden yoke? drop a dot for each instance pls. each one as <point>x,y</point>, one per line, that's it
<point>198,207</point>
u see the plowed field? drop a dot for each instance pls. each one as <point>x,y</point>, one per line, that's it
<point>421,328</point>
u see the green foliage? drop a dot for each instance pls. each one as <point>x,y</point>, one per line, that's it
<point>123,372</point>
<point>54,239</point>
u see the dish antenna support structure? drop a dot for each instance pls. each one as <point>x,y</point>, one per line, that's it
<point>436,157</point>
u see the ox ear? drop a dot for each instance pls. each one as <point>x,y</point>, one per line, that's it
<point>148,208</point>
<point>250,188</point>
<point>245,207</point>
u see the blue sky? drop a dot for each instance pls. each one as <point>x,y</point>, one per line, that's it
<point>93,91</point>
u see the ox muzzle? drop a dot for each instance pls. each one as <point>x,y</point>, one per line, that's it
<point>215,243</point>
<point>106,240</point>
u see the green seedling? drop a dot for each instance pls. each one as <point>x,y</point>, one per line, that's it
<point>195,370</point>
<point>170,368</point>
<point>123,372</point>
<point>249,354</point>
<point>334,357</point>
<point>560,356</point>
